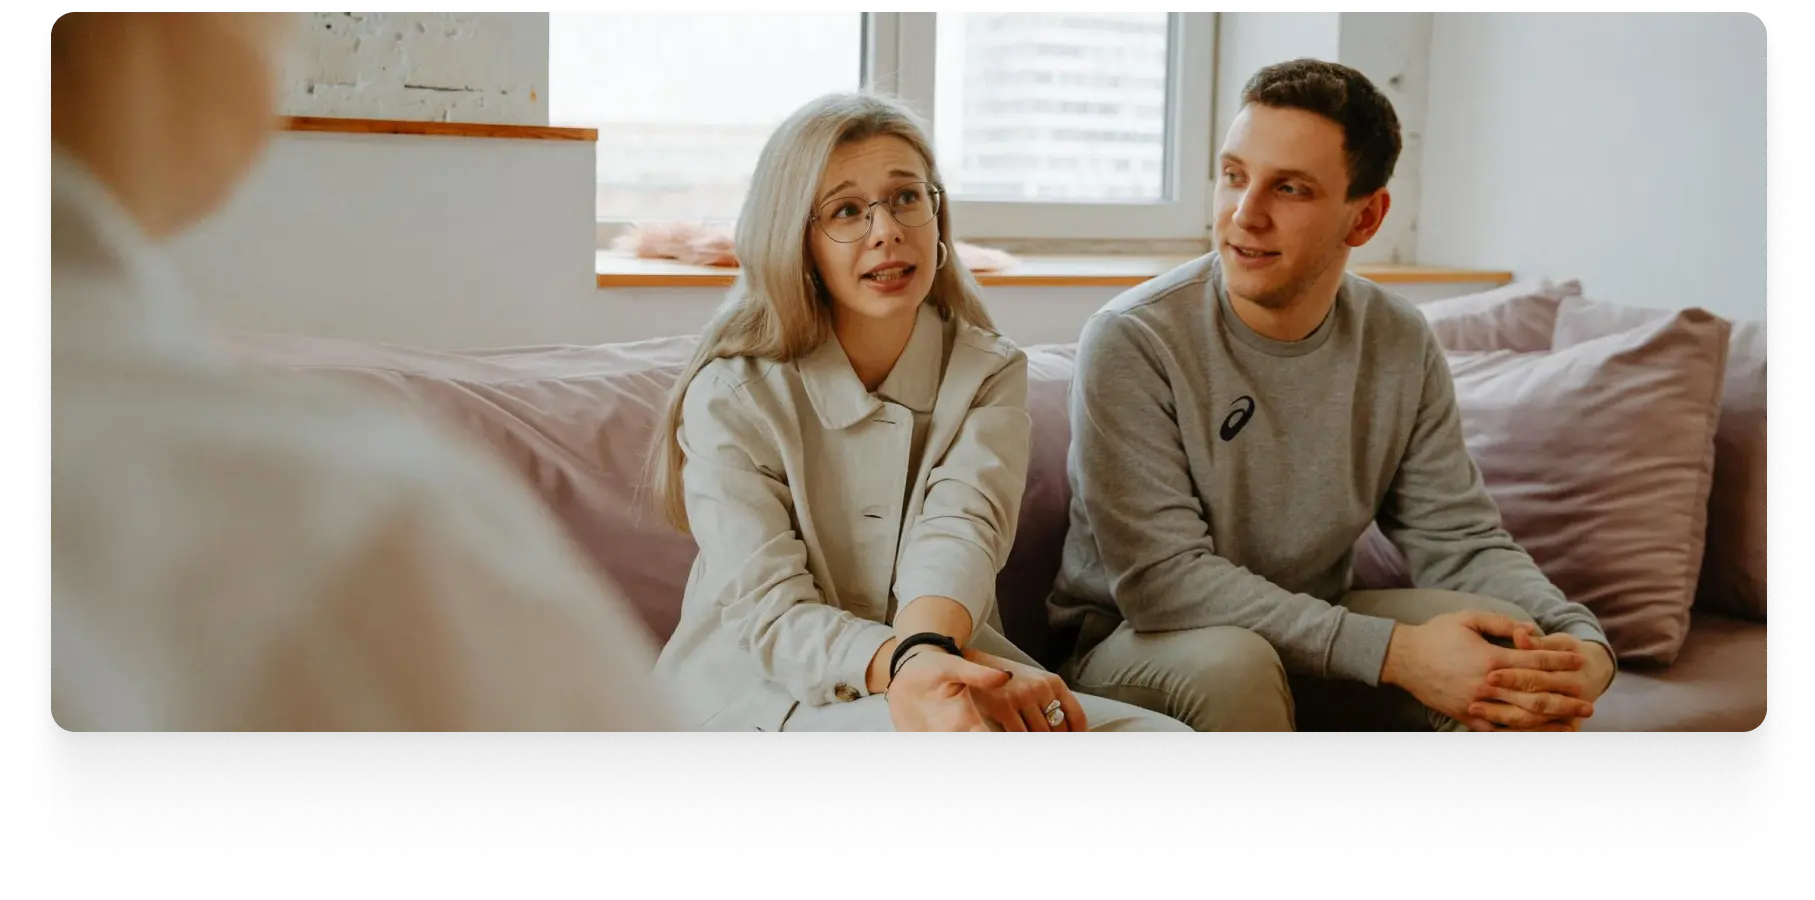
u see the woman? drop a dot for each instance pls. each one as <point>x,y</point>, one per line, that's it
<point>848,448</point>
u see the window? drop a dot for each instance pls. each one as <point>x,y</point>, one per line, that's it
<point>1047,125</point>
<point>684,102</point>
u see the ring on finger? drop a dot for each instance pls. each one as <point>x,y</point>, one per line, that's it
<point>1055,716</point>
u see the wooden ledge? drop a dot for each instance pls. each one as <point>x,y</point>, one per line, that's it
<point>437,129</point>
<point>618,271</point>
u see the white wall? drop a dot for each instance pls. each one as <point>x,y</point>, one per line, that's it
<point>1249,42</point>
<point>440,242</point>
<point>1027,315</point>
<point>442,67</point>
<point>433,241</point>
<point>1393,50</point>
<point>1627,150</point>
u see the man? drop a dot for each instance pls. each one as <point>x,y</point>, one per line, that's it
<point>1237,425</point>
<point>235,550</point>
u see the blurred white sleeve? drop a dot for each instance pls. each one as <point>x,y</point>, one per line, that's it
<point>468,612</point>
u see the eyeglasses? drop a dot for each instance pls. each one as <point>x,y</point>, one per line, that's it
<point>847,220</point>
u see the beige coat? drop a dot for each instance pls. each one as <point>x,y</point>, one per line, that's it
<point>820,508</point>
<point>238,550</point>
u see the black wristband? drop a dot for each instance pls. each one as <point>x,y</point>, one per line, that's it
<point>924,638</point>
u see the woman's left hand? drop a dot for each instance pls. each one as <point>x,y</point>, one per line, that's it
<point>1021,703</point>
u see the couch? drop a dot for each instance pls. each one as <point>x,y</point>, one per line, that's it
<point>575,421</point>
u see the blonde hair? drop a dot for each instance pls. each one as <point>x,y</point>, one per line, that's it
<point>776,309</point>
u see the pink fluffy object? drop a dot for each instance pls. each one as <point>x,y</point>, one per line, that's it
<point>694,243</point>
<point>708,244</point>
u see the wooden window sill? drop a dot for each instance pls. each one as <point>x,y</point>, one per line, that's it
<point>436,129</point>
<point>618,271</point>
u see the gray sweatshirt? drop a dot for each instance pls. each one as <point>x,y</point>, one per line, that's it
<point>1222,478</point>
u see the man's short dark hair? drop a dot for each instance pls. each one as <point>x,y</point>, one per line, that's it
<point>1370,128</point>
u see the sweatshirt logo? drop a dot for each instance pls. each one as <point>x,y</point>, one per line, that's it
<point>1233,425</point>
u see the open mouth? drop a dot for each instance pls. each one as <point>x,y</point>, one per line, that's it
<point>1246,253</point>
<point>890,275</point>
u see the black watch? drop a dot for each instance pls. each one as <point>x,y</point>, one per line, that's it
<point>924,638</point>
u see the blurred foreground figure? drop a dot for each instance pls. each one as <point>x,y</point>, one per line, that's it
<point>235,550</point>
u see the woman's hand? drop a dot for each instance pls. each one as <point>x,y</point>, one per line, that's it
<point>936,691</point>
<point>1021,702</point>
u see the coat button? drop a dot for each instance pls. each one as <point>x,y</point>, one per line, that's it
<point>845,693</point>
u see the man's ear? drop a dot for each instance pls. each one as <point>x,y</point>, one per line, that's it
<point>1373,215</point>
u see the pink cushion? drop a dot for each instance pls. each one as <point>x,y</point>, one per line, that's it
<point>575,422</point>
<point>1027,577</point>
<point>1518,316</point>
<point>1733,570</point>
<point>1717,683</point>
<point>1599,456</point>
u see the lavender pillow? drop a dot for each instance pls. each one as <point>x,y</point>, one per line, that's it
<point>1519,316</point>
<point>1599,456</point>
<point>1733,570</point>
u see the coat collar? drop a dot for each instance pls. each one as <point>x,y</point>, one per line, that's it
<point>840,398</point>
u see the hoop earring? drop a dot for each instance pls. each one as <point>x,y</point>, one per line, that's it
<point>942,254</point>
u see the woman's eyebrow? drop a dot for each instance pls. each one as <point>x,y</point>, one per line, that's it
<point>893,173</point>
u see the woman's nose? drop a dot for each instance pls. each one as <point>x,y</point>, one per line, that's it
<point>883,226</point>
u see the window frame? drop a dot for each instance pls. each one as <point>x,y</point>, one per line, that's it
<point>899,57</point>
